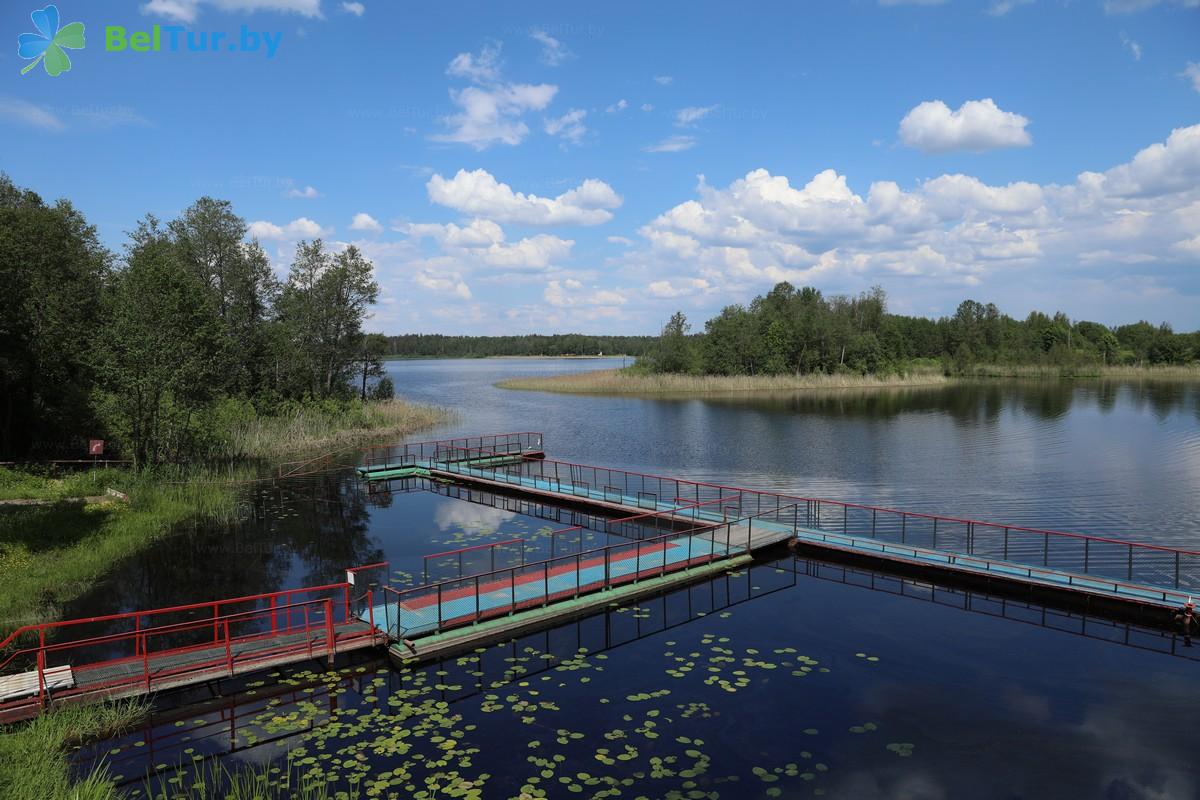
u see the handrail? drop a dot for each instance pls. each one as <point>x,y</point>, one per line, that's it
<point>174,627</point>
<point>846,504</point>
<point>483,546</point>
<point>428,586</point>
<point>214,604</point>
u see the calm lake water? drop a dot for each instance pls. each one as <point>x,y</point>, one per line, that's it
<point>790,679</point>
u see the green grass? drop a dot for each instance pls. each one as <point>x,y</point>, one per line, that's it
<point>18,484</point>
<point>49,555</point>
<point>33,761</point>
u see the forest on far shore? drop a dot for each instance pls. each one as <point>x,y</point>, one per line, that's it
<point>800,331</point>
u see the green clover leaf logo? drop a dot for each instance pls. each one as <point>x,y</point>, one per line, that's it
<point>47,46</point>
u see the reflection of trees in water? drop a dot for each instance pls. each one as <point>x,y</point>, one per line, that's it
<point>331,531</point>
<point>973,402</point>
<point>317,522</point>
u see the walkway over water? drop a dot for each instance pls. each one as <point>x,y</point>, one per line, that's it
<point>1096,569</point>
<point>661,532</point>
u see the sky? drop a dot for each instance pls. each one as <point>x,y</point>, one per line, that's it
<point>518,167</point>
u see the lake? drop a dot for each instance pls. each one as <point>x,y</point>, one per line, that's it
<point>787,679</point>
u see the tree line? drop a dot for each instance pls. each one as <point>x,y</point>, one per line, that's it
<point>801,331</point>
<point>433,345</point>
<point>160,347</point>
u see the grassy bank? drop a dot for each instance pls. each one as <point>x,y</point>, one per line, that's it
<point>49,555</point>
<point>33,760</point>
<point>616,381</point>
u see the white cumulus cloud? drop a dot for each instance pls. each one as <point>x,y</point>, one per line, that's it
<point>976,125</point>
<point>478,193</point>
<point>301,228</point>
<point>307,193</point>
<point>1130,222</point>
<point>491,109</point>
<point>365,222</point>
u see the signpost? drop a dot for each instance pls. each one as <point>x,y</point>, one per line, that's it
<point>95,449</point>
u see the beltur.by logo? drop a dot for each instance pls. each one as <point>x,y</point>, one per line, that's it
<point>46,46</point>
<point>175,38</point>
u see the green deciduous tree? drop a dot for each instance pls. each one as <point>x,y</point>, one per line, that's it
<point>321,311</point>
<point>52,271</point>
<point>159,353</point>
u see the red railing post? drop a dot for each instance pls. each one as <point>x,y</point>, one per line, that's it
<point>329,638</point>
<point>146,661</point>
<point>228,649</point>
<point>41,667</point>
<point>371,610</point>
<point>307,635</point>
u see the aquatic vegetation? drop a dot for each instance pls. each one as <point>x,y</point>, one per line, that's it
<point>514,720</point>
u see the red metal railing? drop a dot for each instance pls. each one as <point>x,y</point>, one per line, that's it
<point>455,557</point>
<point>144,650</point>
<point>440,606</point>
<point>421,453</point>
<point>1104,557</point>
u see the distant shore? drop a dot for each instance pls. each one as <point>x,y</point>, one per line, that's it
<point>616,381</point>
<point>505,358</point>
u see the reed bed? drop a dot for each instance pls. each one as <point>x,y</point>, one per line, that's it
<point>1180,372</point>
<point>308,428</point>
<point>212,780</point>
<point>616,381</point>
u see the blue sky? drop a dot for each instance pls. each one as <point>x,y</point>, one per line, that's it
<point>519,166</point>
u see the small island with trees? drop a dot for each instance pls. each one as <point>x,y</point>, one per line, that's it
<point>795,338</point>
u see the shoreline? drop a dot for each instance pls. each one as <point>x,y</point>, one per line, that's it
<point>619,382</point>
<point>506,358</point>
<point>616,382</point>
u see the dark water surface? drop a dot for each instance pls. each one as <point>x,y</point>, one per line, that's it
<point>790,679</point>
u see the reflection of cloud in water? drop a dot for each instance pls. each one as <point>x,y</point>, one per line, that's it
<point>1128,742</point>
<point>468,516</point>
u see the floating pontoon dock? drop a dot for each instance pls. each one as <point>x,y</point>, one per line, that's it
<point>659,532</point>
